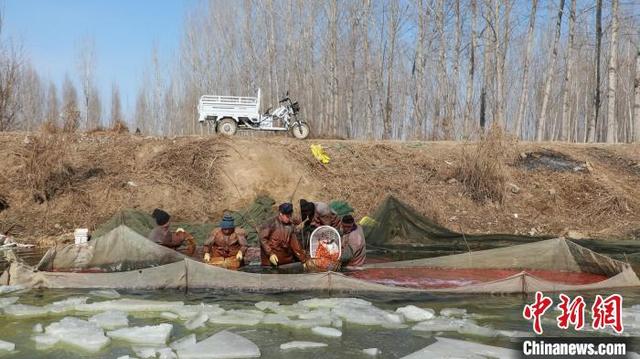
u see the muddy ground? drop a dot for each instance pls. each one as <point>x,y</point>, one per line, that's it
<point>51,184</point>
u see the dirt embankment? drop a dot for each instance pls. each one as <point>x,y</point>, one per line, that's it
<point>50,185</point>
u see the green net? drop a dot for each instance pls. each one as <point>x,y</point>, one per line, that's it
<point>398,227</point>
<point>249,218</point>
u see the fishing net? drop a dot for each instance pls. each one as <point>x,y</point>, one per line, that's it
<point>324,236</point>
<point>396,227</point>
<point>325,250</point>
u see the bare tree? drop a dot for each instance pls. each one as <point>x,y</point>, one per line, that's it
<point>612,121</point>
<point>116,106</point>
<point>524,92</point>
<point>636,106</point>
<point>70,113</point>
<point>542,118</point>
<point>10,104</point>
<point>470,78</point>
<point>570,55</point>
<point>86,65</point>
<point>53,111</point>
<point>593,121</point>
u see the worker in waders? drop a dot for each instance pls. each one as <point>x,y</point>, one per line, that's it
<point>163,236</point>
<point>354,251</point>
<point>227,245</point>
<point>278,240</point>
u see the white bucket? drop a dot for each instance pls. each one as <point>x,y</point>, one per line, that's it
<point>81,235</point>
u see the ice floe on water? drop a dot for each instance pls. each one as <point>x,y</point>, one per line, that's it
<point>149,334</point>
<point>4,289</point>
<point>411,313</point>
<point>302,345</point>
<point>372,351</point>
<point>7,346</point>
<point>75,332</point>
<point>327,332</point>
<point>197,321</point>
<point>107,320</point>
<point>105,293</point>
<point>453,348</point>
<point>59,307</point>
<point>130,305</point>
<point>7,301</point>
<point>111,319</point>
<point>183,342</point>
<point>223,344</point>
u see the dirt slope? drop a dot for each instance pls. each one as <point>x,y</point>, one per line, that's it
<point>55,184</point>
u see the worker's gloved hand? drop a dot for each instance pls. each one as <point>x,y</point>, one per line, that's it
<point>273,259</point>
<point>239,256</point>
<point>207,257</point>
<point>304,266</point>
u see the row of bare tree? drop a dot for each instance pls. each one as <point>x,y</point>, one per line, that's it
<point>28,101</point>
<point>550,70</point>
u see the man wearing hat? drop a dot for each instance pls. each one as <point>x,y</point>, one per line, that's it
<point>278,241</point>
<point>163,236</point>
<point>353,244</point>
<point>226,246</point>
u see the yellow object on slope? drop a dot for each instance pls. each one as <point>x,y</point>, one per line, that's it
<point>368,221</point>
<point>319,154</point>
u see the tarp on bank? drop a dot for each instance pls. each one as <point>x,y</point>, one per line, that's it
<point>558,255</point>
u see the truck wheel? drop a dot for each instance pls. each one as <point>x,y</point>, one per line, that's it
<point>227,127</point>
<point>300,130</point>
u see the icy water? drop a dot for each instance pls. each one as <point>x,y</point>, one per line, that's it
<point>395,341</point>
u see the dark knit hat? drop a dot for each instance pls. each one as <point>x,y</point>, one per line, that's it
<point>227,222</point>
<point>286,208</point>
<point>348,219</point>
<point>160,216</point>
<point>307,208</point>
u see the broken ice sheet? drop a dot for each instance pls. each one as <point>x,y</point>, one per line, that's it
<point>327,332</point>
<point>75,332</point>
<point>4,289</point>
<point>223,344</point>
<point>367,315</point>
<point>453,348</point>
<point>196,322</point>
<point>130,305</point>
<point>412,313</point>
<point>110,319</point>
<point>302,345</point>
<point>238,317</point>
<point>6,346</point>
<point>150,334</point>
<point>8,301</point>
<point>183,342</point>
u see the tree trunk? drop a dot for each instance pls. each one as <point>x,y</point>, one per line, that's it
<point>593,121</point>
<point>368,111</point>
<point>472,53</point>
<point>524,92</point>
<point>456,67</point>
<point>636,106</point>
<point>443,88</point>
<point>419,70</point>
<point>540,132</point>
<point>333,65</point>
<point>497,58</point>
<point>612,122</point>
<point>570,54</point>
